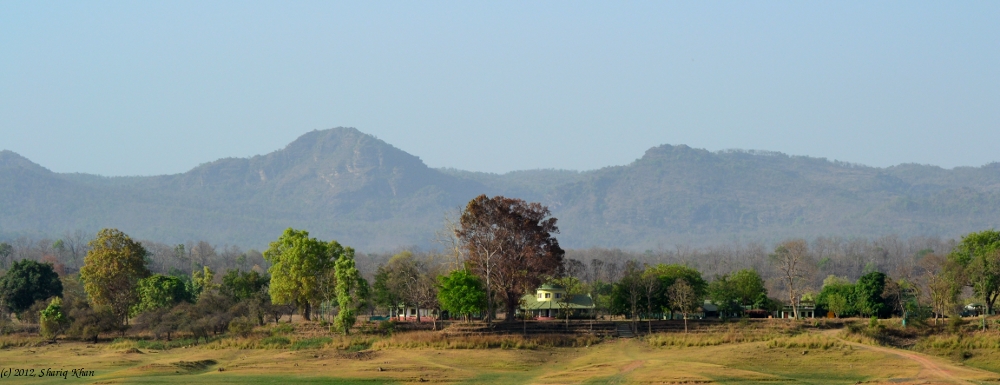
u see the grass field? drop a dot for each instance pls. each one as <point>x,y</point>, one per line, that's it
<point>811,357</point>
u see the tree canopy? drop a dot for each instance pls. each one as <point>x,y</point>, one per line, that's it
<point>241,285</point>
<point>112,270</point>
<point>979,256</point>
<point>299,269</point>
<point>351,291</point>
<point>509,244</point>
<point>160,291</point>
<point>868,294</point>
<point>28,282</point>
<point>461,293</point>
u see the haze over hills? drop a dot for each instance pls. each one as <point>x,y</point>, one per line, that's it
<point>346,185</point>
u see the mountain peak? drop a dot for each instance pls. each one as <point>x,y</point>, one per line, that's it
<point>341,150</point>
<point>10,160</point>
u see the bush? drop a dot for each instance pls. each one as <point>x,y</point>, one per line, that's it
<point>88,323</point>
<point>311,343</point>
<point>387,327</point>
<point>805,342</point>
<point>483,341</point>
<point>955,324</point>
<point>31,315</point>
<point>52,320</point>
<point>241,326</point>
<point>276,341</point>
<point>282,329</point>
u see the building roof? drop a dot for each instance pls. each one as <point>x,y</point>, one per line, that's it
<point>579,301</point>
<point>550,286</point>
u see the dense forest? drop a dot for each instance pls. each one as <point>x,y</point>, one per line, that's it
<point>350,186</point>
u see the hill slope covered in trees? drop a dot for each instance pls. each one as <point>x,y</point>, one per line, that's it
<point>346,185</point>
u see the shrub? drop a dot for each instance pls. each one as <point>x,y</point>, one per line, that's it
<point>311,343</point>
<point>241,326</point>
<point>955,324</point>
<point>88,323</point>
<point>276,341</point>
<point>281,329</point>
<point>52,320</point>
<point>482,341</point>
<point>387,327</point>
<point>805,342</point>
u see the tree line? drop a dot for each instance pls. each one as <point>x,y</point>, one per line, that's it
<point>504,248</point>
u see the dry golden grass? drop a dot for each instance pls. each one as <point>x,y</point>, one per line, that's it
<point>14,341</point>
<point>726,353</point>
<point>437,340</point>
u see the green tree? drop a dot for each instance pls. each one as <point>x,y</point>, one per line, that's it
<point>627,296</point>
<point>112,270</point>
<point>249,289</point>
<point>974,245</point>
<point>868,294</point>
<point>349,298</point>
<point>722,292</point>
<point>669,274</point>
<point>52,321</point>
<point>983,274</point>
<point>979,255</point>
<point>201,281</point>
<point>748,286</point>
<point>900,295</point>
<point>461,293</point>
<point>240,285</point>
<point>841,288</point>
<point>28,282</point>
<point>837,304</point>
<point>600,292</point>
<point>160,291</point>
<point>299,266</point>
<point>384,293</point>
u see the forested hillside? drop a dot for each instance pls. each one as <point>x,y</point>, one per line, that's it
<point>343,184</point>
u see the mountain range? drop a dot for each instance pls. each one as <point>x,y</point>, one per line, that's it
<point>346,185</point>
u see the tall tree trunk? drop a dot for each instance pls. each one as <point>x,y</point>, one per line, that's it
<point>685,322</point>
<point>511,307</point>
<point>795,307</point>
<point>307,311</point>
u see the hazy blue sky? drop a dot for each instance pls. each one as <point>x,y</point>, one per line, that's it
<point>140,87</point>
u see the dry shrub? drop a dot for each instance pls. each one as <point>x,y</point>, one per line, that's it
<point>8,342</point>
<point>726,334</point>
<point>980,340</point>
<point>806,341</point>
<point>437,340</point>
<point>289,342</point>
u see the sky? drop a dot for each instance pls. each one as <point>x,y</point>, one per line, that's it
<point>146,88</point>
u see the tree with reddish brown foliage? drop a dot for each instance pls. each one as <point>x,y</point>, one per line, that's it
<point>509,244</point>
